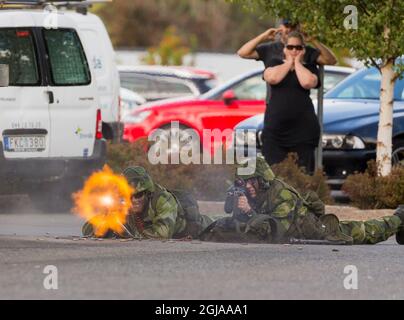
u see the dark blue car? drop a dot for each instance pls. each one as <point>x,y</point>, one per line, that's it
<point>351,117</point>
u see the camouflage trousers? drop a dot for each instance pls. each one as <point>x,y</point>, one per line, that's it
<point>262,229</point>
<point>371,231</point>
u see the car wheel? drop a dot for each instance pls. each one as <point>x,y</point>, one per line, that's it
<point>174,140</point>
<point>397,157</point>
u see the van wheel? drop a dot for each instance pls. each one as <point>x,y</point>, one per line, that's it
<point>397,156</point>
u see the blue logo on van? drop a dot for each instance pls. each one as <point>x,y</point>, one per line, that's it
<point>97,63</point>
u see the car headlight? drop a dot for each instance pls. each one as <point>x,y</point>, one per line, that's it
<point>338,141</point>
<point>136,117</point>
<point>246,137</point>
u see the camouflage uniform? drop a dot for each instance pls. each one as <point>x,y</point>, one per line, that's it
<point>281,213</point>
<point>163,216</point>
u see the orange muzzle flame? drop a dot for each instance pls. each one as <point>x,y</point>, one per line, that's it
<point>104,202</point>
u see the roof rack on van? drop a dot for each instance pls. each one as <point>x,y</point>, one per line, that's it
<point>81,6</point>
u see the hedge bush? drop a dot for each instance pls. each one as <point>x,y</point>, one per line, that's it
<point>296,176</point>
<point>209,182</point>
<point>369,191</point>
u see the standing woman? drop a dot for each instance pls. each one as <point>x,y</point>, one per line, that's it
<point>291,124</point>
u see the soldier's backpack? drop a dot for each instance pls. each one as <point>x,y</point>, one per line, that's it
<point>195,223</point>
<point>188,203</point>
<point>185,199</point>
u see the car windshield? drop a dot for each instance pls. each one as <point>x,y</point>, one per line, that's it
<point>364,84</point>
<point>331,79</point>
<point>156,87</point>
<point>210,83</point>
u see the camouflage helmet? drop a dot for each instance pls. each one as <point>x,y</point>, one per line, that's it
<point>262,169</point>
<point>139,179</point>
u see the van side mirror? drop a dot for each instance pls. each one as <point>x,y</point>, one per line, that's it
<point>4,75</point>
<point>229,97</point>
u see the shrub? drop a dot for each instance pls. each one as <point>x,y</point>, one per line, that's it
<point>209,182</point>
<point>369,191</point>
<point>171,50</point>
<point>292,174</point>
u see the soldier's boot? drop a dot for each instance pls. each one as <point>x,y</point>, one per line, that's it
<point>400,233</point>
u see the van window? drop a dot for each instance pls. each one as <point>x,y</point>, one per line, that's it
<point>18,52</point>
<point>68,62</point>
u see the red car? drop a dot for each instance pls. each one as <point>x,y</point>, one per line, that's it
<point>220,108</point>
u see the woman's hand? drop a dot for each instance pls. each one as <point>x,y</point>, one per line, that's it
<point>307,79</point>
<point>300,56</point>
<point>274,75</point>
<point>270,34</point>
<point>288,57</point>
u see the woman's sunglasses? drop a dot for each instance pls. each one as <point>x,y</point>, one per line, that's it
<point>291,47</point>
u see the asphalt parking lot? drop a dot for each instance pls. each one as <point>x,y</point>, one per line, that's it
<point>116,269</point>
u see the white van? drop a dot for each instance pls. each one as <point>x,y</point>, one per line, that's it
<point>101,57</point>
<point>50,116</point>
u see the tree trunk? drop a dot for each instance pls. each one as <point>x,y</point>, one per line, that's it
<point>385,133</point>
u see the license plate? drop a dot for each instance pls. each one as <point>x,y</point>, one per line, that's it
<point>24,143</point>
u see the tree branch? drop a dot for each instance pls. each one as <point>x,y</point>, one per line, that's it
<point>362,5</point>
<point>396,76</point>
<point>375,64</point>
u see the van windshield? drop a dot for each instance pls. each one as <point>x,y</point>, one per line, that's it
<point>18,52</point>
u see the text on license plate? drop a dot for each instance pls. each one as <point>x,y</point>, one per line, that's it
<point>24,143</point>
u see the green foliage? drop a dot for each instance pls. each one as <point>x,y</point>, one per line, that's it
<point>369,191</point>
<point>171,50</point>
<point>342,55</point>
